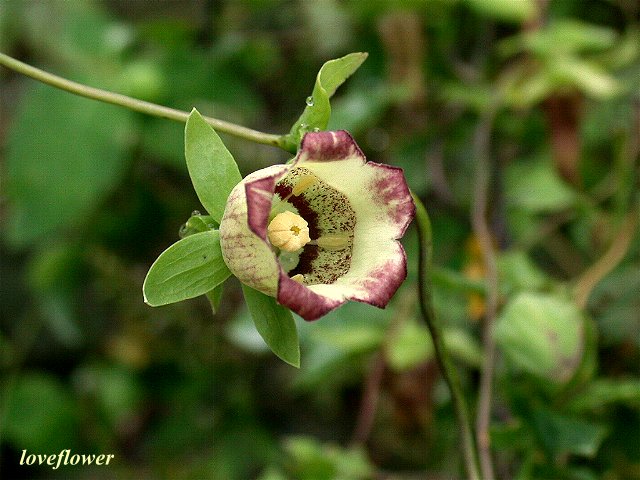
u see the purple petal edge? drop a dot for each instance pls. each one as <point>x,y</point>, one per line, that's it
<point>329,146</point>
<point>259,194</point>
<point>383,282</point>
<point>298,298</point>
<point>391,187</point>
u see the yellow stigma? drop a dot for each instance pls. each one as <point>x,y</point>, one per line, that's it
<point>298,278</point>
<point>288,232</point>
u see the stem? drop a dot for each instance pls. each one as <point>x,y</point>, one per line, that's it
<point>138,105</point>
<point>485,239</point>
<point>369,402</point>
<point>613,256</point>
<point>445,363</point>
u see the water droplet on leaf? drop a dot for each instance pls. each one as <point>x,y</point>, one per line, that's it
<point>309,101</point>
<point>196,213</point>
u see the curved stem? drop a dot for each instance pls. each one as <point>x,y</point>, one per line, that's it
<point>445,363</point>
<point>485,239</point>
<point>138,105</point>
<point>369,402</point>
<point>610,260</point>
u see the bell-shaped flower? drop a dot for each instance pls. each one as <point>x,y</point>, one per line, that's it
<point>320,230</point>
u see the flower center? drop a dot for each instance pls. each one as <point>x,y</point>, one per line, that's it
<point>288,231</point>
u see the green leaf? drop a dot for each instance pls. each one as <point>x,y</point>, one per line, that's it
<point>215,297</point>
<point>559,37</point>
<point>64,155</point>
<point>409,346</point>
<point>275,324</point>
<point>116,390</point>
<point>318,110</point>
<point>190,267</point>
<point>212,169</point>
<point>542,334</point>
<point>518,272</point>
<point>588,77</point>
<point>536,187</point>
<point>569,35</point>
<point>350,337</point>
<point>272,473</point>
<point>463,346</point>
<point>561,434</point>
<point>605,391</point>
<point>41,415</point>
<point>516,11</point>
<point>312,460</point>
<point>196,224</point>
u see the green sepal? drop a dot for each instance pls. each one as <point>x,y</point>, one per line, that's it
<point>211,166</point>
<point>190,267</point>
<point>275,324</point>
<point>318,110</point>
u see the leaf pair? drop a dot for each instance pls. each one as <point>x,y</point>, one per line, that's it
<point>194,265</point>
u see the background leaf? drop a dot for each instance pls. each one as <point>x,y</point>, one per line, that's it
<point>42,415</point>
<point>275,324</point>
<point>508,10</point>
<point>190,267</point>
<point>541,334</point>
<point>212,168</point>
<point>561,434</point>
<point>55,180</point>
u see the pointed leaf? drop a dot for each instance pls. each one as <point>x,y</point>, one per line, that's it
<point>318,110</point>
<point>212,169</point>
<point>190,267</point>
<point>275,324</point>
<point>215,298</point>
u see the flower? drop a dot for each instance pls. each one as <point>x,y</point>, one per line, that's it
<point>320,230</point>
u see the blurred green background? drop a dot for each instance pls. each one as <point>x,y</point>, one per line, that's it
<point>541,96</point>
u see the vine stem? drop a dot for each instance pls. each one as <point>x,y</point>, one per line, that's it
<point>610,260</point>
<point>449,373</point>
<point>484,235</point>
<point>138,105</point>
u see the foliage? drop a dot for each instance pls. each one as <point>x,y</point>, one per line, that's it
<point>95,193</point>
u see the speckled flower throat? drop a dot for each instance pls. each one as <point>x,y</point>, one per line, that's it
<point>330,220</point>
